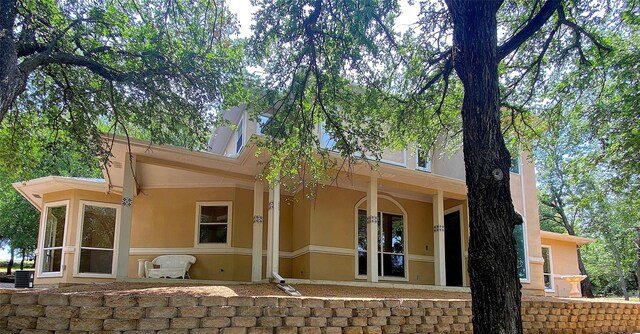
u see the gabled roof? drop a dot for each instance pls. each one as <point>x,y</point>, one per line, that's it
<point>33,190</point>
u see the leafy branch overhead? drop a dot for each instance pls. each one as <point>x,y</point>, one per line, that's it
<point>334,61</point>
<point>161,66</point>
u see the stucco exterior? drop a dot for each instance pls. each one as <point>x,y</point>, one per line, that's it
<point>317,239</point>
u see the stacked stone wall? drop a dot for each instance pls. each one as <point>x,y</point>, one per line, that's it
<point>45,313</point>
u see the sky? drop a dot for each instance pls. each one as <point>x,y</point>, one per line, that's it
<point>244,11</point>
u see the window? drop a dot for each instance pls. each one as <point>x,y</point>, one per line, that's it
<point>260,123</point>
<point>53,240</point>
<point>97,241</point>
<point>547,268</point>
<point>518,234</point>
<point>239,135</point>
<point>214,220</point>
<point>515,164</point>
<point>326,140</point>
<point>422,160</point>
<point>391,256</point>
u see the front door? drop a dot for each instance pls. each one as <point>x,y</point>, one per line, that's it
<point>453,249</point>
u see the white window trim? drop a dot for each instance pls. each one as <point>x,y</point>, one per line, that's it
<point>552,289</point>
<point>43,221</point>
<point>418,167</point>
<point>240,132</point>
<point>196,240</point>
<point>78,247</point>
<point>405,219</point>
<point>465,271</point>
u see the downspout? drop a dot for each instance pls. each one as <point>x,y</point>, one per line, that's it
<point>275,237</point>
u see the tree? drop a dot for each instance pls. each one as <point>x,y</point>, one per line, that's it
<point>162,66</point>
<point>560,154</point>
<point>341,63</point>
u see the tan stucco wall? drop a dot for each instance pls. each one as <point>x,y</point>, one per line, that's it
<point>331,221</point>
<point>71,232</point>
<point>564,261</point>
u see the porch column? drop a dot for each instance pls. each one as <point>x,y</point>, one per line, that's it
<point>124,237</point>
<point>438,239</point>
<point>256,248</point>
<point>273,230</point>
<point>372,230</point>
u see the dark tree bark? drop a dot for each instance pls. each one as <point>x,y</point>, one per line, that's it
<point>12,81</point>
<point>10,264</point>
<point>585,285</point>
<point>22,260</point>
<point>495,285</point>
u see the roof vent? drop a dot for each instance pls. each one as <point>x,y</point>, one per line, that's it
<point>36,195</point>
<point>117,164</point>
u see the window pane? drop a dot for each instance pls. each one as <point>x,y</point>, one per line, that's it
<point>362,263</point>
<point>239,133</point>
<point>518,234</point>
<point>54,228</point>
<point>515,164</point>
<point>96,261</point>
<point>326,139</point>
<point>362,230</point>
<point>51,260</point>
<point>214,214</point>
<point>98,227</point>
<point>392,233</point>
<point>213,233</point>
<point>423,159</point>
<point>547,282</point>
<point>393,265</point>
<point>547,263</point>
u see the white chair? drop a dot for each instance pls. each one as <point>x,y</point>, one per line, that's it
<point>169,266</point>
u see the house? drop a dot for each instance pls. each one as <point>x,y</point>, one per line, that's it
<point>160,199</point>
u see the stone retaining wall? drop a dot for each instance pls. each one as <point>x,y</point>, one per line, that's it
<point>42,313</point>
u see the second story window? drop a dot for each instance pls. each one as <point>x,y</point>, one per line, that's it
<point>515,164</point>
<point>261,122</point>
<point>326,140</point>
<point>422,160</point>
<point>239,135</point>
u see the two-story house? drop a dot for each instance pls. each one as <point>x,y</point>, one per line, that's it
<point>404,222</point>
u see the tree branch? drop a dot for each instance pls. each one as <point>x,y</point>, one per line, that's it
<point>531,28</point>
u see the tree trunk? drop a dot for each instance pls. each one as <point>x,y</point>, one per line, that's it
<point>10,264</point>
<point>585,285</point>
<point>12,80</point>
<point>495,285</point>
<point>623,283</point>
<point>22,260</point>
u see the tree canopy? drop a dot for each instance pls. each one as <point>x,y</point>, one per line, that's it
<point>161,67</point>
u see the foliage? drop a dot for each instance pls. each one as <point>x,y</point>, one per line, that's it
<point>342,63</point>
<point>155,69</point>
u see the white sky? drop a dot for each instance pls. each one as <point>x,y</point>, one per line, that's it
<point>244,10</point>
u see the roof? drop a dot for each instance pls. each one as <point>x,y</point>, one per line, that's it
<point>565,237</point>
<point>33,190</point>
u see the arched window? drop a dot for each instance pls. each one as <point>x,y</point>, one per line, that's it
<point>392,232</point>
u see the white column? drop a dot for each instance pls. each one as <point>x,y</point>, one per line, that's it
<point>438,239</point>
<point>256,248</point>
<point>372,230</point>
<point>273,238</point>
<point>124,237</point>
